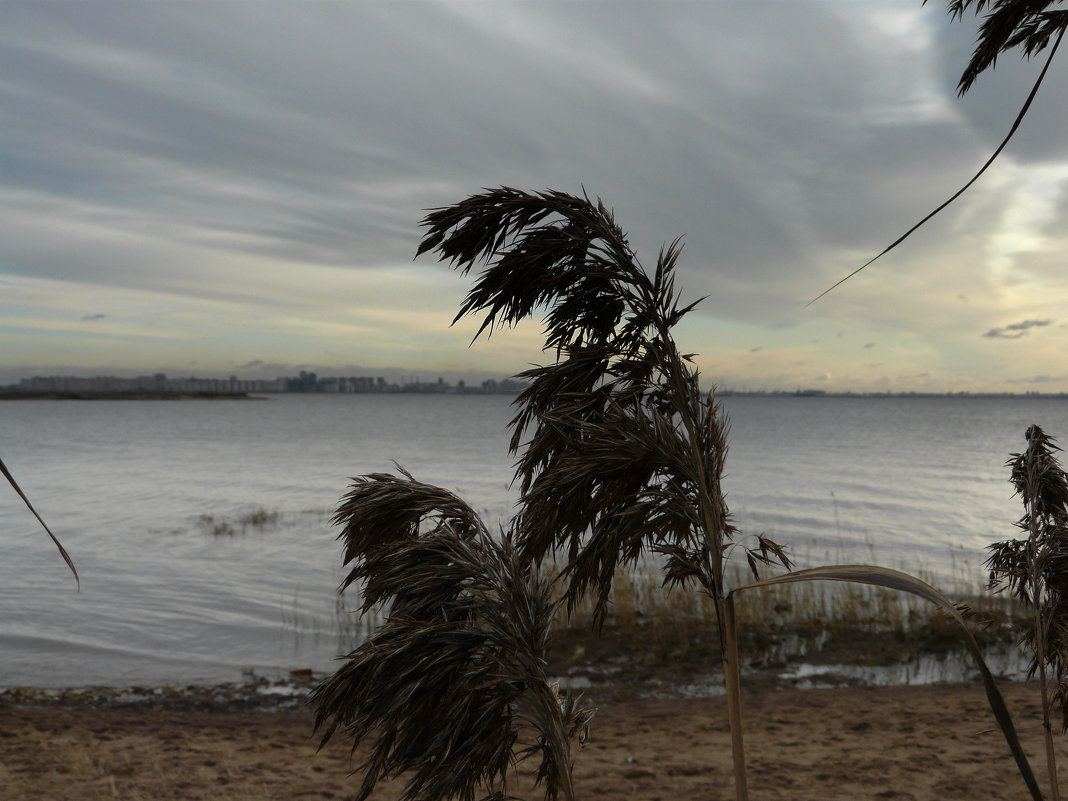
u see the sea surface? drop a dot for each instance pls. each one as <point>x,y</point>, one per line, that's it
<point>201,529</point>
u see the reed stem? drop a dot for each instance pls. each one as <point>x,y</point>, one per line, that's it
<point>1040,641</point>
<point>732,678</point>
<point>1051,758</point>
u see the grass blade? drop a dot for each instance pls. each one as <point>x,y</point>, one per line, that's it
<point>62,551</point>
<point>903,582</point>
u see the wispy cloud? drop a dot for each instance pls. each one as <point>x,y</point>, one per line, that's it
<point>1016,330</point>
<point>272,210</point>
<point>1042,378</point>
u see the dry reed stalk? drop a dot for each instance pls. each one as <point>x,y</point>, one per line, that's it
<point>451,688</point>
<point>1035,570</point>
<point>625,452</point>
<point>903,582</point>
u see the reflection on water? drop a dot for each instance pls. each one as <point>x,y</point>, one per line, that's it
<point>1008,662</point>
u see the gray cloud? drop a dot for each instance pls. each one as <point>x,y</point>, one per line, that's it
<point>320,135</point>
<point>90,317</point>
<point>175,149</point>
<point>1016,330</point>
<point>1039,379</point>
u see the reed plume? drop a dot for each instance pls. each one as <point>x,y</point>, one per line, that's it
<point>622,454</point>
<point>625,454</point>
<point>451,689</point>
<point>1035,570</point>
<point>1026,24</point>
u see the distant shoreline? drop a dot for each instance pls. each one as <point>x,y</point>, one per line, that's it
<point>134,395</point>
<point>818,394</point>
<point>9,394</point>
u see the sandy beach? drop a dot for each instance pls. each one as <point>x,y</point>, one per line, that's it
<point>934,742</point>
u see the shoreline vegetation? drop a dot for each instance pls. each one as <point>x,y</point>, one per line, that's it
<point>841,635</point>
<point>620,454</point>
<point>669,635</point>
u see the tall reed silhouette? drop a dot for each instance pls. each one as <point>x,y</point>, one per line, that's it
<point>452,687</point>
<point>1035,570</point>
<point>620,455</point>
<point>625,452</point>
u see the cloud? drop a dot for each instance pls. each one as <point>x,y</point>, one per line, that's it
<point>1042,378</point>
<point>869,345</point>
<point>269,172</point>
<point>301,157</point>
<point>756,349</point>
<point>1016,330</point>
<point>93,317</point>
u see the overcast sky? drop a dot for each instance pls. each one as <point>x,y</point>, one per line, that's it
<point>236,187</point>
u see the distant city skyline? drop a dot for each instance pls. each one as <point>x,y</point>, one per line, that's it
<point>260,372</point>
<point>357,383</point>
<point>220,187</point>
<point>304,382</point>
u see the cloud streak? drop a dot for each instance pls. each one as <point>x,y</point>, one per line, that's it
<point>254,181</point>
<point>1016,330</point>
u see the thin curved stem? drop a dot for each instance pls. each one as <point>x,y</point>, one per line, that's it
<point>963,189</point>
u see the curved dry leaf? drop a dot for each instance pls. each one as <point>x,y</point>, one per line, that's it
<point>903,582</point>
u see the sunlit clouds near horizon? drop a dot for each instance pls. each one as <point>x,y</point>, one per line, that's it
<point>217,188</point>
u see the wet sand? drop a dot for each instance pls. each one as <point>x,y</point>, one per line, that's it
<point>934,742</point>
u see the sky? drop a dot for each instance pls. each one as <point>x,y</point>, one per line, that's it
<point>237,187</point>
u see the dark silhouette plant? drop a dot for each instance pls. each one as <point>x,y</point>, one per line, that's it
<point>451,688</point>
<point>620,456</point>
<point>621,453</point>
<point>1035,570</point>
<point>625,453</point>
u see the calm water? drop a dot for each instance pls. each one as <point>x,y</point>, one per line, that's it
<point>136,489</point>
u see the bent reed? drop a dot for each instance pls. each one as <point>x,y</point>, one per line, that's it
<point>620,460</point>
